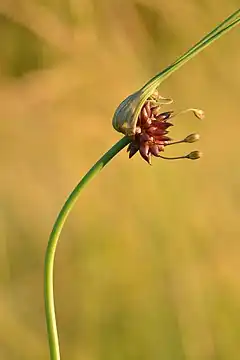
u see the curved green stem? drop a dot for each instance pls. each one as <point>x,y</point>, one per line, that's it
<point>221,29</point>
<point>53,240</point>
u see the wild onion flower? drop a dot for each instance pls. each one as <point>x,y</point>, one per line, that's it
<point>148,130</point>
<point>151,136</point>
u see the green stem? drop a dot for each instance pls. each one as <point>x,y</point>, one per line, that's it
<point>228,24</point>
<point>53,240</point>
<point>232,21</point>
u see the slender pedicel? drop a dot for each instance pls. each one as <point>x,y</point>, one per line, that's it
<point>194,155</point>
<point>188,139</point>
<point>197,112</point>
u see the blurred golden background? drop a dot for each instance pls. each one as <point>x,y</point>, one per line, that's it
<point>148,262</point>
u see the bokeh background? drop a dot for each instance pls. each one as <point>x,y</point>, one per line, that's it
<point>148,262</point>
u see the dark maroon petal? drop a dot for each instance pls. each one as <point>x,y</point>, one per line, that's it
<point>152,129</point>
<point>167,125</point>
<point>161,125</point>
<point>144,137</point>
<point>166,138</point>
<point>133,149</point>
<point>133,144</point>
<point>164,116</point>
<point>158,126</point>
<point>154,149</point>
<point>148,158</point>
<point>157,132</point>
<point>144,151</point>
<point>137,139</point>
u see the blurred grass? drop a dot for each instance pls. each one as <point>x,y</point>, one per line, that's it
<point>148,263</point>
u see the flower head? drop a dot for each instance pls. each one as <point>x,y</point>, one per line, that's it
<point>150,131</point>
<point>137,116</point>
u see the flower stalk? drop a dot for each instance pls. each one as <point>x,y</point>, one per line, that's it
<point>53,240</point>
<point>125,121</point>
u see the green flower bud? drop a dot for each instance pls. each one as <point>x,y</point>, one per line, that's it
<point>192,138</point>
<point>194,155</point>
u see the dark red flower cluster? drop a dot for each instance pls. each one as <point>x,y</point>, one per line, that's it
<point>151,132</point>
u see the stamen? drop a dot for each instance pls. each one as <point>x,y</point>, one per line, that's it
<point>197,112</point>
<point>157,99</point>
<point>189,139</point>
<point>194,155</point>
<point>164,100</point>
<point>173,158</point>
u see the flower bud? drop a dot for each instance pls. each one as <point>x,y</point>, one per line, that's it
<point>192,138</point>
<point>199,113</point>
<point>194,155</point>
